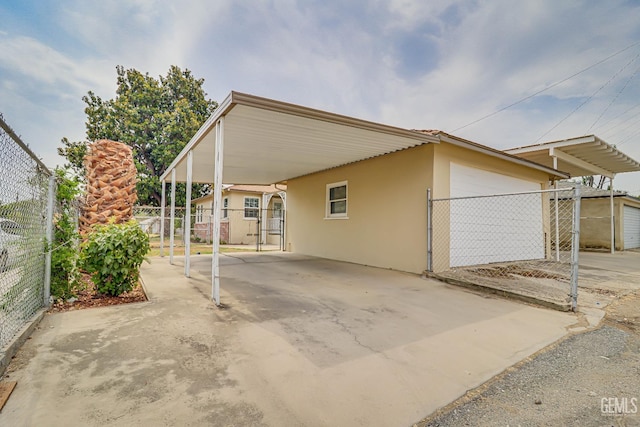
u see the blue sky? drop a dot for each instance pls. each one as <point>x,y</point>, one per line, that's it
<point>408,63</point>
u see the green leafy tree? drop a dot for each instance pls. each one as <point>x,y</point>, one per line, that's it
<point>155,117</point>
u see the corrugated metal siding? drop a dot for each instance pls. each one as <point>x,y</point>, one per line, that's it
<point>263,147</point>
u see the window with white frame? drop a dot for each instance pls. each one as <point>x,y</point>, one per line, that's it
<point>337,200</point>
<point>251,207</point>
<point>225,208</point>
<point>199,213</point>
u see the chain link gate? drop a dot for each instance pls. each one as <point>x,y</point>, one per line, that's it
<point>524,243</point>
<point>262,229</point>
<point>26,210</point>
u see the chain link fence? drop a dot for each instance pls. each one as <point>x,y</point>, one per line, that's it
<point>521,243</point>
<point>26,198</point>
<point>262,228</point>
<point>253,228</point>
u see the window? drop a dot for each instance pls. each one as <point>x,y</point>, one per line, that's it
<point>225,208</point>
<point>251,207</point>
<point>337,200</point>
<point>199,212</point>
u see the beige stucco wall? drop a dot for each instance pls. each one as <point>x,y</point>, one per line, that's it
<point>595,223</point>
<point>386,207</point>
<point>595,220</point>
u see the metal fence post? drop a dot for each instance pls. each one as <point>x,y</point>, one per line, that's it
<point>575,248</point>
<point>429,231</point>
<point>258,231</point>
<point>49,238</point>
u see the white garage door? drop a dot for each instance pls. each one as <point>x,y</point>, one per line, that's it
<point>631,228</point>
<point>487,230</point>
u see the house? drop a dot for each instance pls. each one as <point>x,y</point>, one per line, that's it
<point>356,190</point>
<point>595,216</point>
<point>604,212</point>
<point>374,211</point>
<point>247,211</point>
<point>594,230</point>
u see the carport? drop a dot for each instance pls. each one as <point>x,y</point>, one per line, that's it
<point>582,156</point>
<point>253,140</point>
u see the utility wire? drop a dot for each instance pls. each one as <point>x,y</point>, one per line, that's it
<point>586,100</point>
<point>546,88</point>
<point>620,124</point>
<point>633,107</point>
<point>617,94</point>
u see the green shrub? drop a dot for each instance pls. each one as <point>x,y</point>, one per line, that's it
<point>64,254</point>
<point>112,256</point>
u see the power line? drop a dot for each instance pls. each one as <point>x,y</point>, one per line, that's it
<point>546,88</point>
<point>586,100</point>
<point>621,123</point>
<point>617,94</point>
<point>633,107</point>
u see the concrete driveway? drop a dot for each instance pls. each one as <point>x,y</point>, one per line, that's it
<point>301,341</point>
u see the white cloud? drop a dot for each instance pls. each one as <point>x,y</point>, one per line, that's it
<point>436,64</point>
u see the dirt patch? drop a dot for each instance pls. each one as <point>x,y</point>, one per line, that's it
<point>88,297</point>
<point>625,312</point>
<point>509,270</point>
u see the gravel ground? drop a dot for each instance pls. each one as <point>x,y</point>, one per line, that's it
<point>569,384</point>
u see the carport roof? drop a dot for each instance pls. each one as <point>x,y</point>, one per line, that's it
<point>580,156</point>
<point>268,141</point>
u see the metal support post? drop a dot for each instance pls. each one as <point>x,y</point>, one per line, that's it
<point>429,231</point>
<point>163,204</point>
<point>613,221</point>
<point>172,215</point>
<point>217,210</point>
<point>575,248</point>
<point>187,219</point>
<point>258,233</point>
<point>50,234</point>
<point>555,198</point>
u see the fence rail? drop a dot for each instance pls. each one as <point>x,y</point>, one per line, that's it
<point>527,240</point>
<point>252,227</point>
<point>26,210</point>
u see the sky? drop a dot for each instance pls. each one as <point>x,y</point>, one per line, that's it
<point>409,63</point>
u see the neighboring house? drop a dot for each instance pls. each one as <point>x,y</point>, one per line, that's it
<point>595,216</point>
<point>609,219</point>
<point>248,211</point>
<point>595,233</point>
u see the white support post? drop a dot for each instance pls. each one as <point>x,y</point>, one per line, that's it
<point>163,204</point>
<point>187,217</point>
<point>555,186</point>
<point>50,234</point>
<point>172,224</point>
<point>217,206</point>
<point>613,222</point>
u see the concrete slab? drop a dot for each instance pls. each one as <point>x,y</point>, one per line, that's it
<point>602,278</point>
<point>302,341</point>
